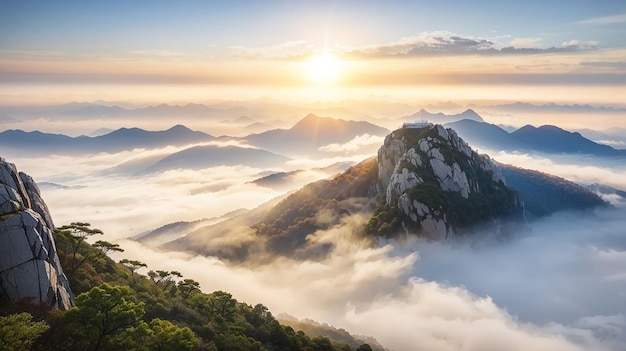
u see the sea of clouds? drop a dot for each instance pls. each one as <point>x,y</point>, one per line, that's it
<point>559,286</point>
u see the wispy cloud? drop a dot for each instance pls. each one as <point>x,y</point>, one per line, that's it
<point>288,49</point>
<point>621,18</point>
<point>442,43</point>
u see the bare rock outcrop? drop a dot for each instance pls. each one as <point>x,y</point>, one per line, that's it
<point>29,265</point>
<point>431,179</point>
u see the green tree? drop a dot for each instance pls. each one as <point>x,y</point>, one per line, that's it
<point>104,311</point>
<point>364,347</point>
<point>165,279</point>
<point>188,286</point>
<point>133,265</point>
<point>167,336</point>
<point>106,247</point>
<point>19,331</point>
<point>223,305</point>
<point>76,233</point>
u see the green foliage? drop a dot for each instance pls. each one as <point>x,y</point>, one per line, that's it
<point>385,222</point>
<point>81,261</point>
<point>133,265</point>
<point>160,311</point>
<point>430,195</point>
<point>18,331</point>
<point>102,312</point>
<point>166,336</point>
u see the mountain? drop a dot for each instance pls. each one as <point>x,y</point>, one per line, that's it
<point>485,135</point>
<point>544,139</point>
<point>525,107</point>
<point>440,118</point>
<point>614,137</point>
<point>423,181</point>
<point>199,157</point>
<point>311,133</point>
<point>436,185</point>
<point>552,139</point>
<point>544,194</point>
<point>29,264</point>
<point>118,140</point>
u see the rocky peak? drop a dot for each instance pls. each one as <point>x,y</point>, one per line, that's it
<point>431,180</point>
<point>29,265</point>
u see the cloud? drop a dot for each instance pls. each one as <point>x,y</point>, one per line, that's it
<point>356,144</point>
<point>525,43</point>
<point>551,288</point>
<point>621,18</point>
<point>447,43</point>
<point>558,286</point>
<point>605,64</point>
<point>571,44</point>
<point>574,168</point>
<point>285,50</point>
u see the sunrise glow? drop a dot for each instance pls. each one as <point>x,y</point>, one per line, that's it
<point>324,68</point>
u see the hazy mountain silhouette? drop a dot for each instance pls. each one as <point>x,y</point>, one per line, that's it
<point>552,139</point>
<point>552,107</point>
<point>199,157</point>
<point>441,118</point>
<point>544,194</point>
<point>544,139</point>
<point>118,140</point>
<point>311,133</point>
<point>481,134</point>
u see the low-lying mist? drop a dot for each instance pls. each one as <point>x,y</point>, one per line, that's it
<point>559,286</point>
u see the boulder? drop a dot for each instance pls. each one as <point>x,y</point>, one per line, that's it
<point>29,265</point>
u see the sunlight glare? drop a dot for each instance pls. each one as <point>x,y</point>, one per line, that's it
<point>324,68</point>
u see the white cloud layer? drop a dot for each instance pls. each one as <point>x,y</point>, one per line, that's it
<point>559,286</point>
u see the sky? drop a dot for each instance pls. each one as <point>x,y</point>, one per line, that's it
<point>165,50</point>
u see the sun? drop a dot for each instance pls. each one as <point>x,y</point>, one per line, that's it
<point>324,68</point>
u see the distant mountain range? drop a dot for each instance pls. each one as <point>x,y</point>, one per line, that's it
<point>441,118</point>
<point>418,190</point>
<point>552,107</point>
<point>544,139</point>
<point>118,140</point>
<point>311,133</point>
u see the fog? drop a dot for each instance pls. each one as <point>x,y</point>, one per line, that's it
<point>559,286</point>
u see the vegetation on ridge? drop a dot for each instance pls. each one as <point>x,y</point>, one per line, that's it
<point>119,309</point>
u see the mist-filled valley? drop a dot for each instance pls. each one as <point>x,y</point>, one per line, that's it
<point>556,283</point>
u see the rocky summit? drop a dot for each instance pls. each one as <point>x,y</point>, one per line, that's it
<point>29,265</point>
<point>431,182</point>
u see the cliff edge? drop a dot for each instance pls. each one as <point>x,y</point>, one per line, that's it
<point>29,265</point>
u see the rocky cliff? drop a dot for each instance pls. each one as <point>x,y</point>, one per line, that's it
<point>29,265</point>
<point>431,181</point>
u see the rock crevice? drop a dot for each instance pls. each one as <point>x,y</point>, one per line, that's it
<point>29,265</point>
<point>430,174</point>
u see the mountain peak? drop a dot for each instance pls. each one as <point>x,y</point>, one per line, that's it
<point>179,128</point>
<point>429,176</point>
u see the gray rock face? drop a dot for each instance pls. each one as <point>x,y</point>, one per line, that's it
<point>406,160</point>
<point>29,265</point>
